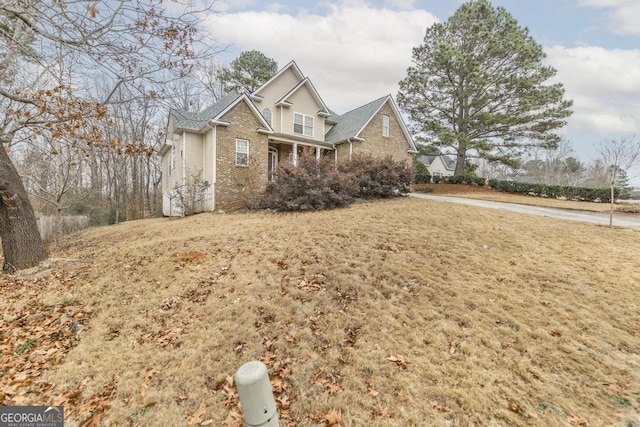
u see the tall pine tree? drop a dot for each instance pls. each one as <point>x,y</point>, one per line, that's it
<point>478,86</point>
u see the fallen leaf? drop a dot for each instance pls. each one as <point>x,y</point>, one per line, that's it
<point>234,419</point>
<point>398,359</point>
<point>145,381</point>
<point>400,398</point>
<point>382,411</point>
<point>333,417</point>
<point>577,420</point>
<point>616,389</point>
<point>196,417</point>
<point>439,406</point>
<point>334,388</point>
<point>372,392</point>
<point>515,407</point>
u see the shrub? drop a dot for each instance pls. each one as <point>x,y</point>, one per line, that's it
<point>467,178</point>
<point>378,177</point>
<point>421,172</point>
<point>192,195</point>
<point>554,191</point>
<point>311,185</point>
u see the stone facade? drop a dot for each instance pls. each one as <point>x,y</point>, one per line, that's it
<point>377,145</point>
<point>394,145</point>
<point>234,182</point>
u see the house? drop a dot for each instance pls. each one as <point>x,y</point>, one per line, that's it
<point>236,144</point>
<point>440,165</point>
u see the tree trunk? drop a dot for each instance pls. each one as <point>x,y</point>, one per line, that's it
<point>21,241</point>
<point>461,160</point>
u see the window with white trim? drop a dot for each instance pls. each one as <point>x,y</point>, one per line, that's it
<point>385,125</point>
<point>302,124</point>
<point>266,113</point>
<point>242,152</point>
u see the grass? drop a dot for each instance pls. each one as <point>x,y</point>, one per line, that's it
<point>403,312</point>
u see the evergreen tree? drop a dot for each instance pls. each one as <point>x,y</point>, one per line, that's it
<point>478,85</point>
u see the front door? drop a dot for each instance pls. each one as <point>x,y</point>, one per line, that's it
<point>273,162</point>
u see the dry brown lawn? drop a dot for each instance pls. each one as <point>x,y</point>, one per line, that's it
<point>398,313</point>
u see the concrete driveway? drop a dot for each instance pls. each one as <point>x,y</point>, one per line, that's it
<point>574,215</point>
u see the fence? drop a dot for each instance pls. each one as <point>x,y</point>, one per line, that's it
<point>52,227</point>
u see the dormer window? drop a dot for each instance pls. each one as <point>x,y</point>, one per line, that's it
<point>266,113</point>
<point>302,124</point>
<point>385,125</point>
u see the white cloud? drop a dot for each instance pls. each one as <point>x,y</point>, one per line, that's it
<point>604,85</point>
<point>624,14</point>
<point>353,54</point>
<point>401,4</point>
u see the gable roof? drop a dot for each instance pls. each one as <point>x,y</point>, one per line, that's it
<point>291,65</point>
<point>449,162</point>
<point>314,93</point>
<point>198,121</point>
<point>352,123</point>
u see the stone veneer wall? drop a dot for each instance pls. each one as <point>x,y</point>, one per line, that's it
<point>233,182</point>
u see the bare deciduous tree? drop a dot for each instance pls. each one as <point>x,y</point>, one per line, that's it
<point>618,155</point>
<point>139,44</point>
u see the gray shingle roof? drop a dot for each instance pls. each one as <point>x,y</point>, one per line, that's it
<point>197,121</point>
<point>449,161</point>
<point>349,124</point>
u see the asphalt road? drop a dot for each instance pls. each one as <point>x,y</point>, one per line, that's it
<point>569,214</point>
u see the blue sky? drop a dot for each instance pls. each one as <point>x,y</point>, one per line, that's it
<point>355,51</point>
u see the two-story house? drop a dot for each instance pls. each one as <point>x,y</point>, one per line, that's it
<point>242,138</point>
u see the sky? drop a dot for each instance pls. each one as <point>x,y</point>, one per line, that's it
<point>355,51</point>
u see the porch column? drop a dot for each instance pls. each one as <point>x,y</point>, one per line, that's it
<point>295,154</point>
<point>318,153</point>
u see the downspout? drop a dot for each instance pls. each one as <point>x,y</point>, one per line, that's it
<point>214,146</point>
<point>214,168</point>
<point>184,158</point>
<point>350,147</point>
<point>184,164</point>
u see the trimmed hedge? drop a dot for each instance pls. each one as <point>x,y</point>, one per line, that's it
<point>460,179</point>
<point>555,191</point>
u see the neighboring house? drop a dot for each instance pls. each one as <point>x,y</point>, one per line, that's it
<point>235,145</point>
<point>440,165</point>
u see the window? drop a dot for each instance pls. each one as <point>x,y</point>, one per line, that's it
<point>385,125</point>
<point>242,152</point>
<point>302,124</point>
<point>266,113</point>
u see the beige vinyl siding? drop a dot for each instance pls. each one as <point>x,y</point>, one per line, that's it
<point>194,154</point>
<point>273,92</point>
<point>171,178</point>
<point>438,165</point>
<point>327,127</point>
<point>303,103</point>
<point>208,172</point>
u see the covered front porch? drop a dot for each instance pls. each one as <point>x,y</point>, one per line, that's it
<point>288,150</point>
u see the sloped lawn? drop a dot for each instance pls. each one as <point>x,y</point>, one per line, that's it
<point>403,312</point>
